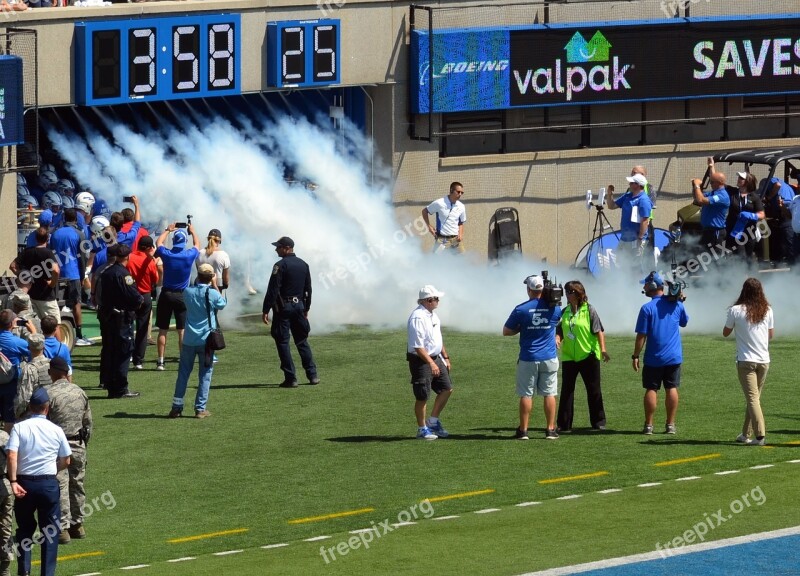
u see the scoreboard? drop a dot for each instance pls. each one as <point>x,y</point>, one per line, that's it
<point>169,58</point>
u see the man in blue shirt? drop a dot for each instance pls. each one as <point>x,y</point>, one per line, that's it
<point>202,300</point>
<point>713,210</point>
<point>66,245</point>
<point>537,369</point>
<point>636,211</point>
<point>45,220</point>
<point>16,350</point>
<point>658,326</point>
<point>53,347</point>
<point>178,265</point>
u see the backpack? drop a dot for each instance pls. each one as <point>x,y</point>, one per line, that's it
<point>7,370</point>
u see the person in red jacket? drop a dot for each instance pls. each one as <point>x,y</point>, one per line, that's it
<point>142,267</point>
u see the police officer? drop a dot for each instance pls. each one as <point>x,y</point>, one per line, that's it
<point>289,297</point>
<point>118,300</point>
<point>36,450</point>
<point>69,409</point>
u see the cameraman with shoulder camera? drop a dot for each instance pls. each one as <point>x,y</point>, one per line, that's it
<point>537,369</point>
<point>659,326</point>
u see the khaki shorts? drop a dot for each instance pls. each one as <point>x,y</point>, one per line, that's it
<point>46,308</point>
<point>537,378</point>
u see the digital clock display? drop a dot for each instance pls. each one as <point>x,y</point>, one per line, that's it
<point>157,59</point>
<point>303,53</point>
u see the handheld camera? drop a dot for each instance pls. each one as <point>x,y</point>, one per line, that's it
<point>181,225</point>
<point>127,199</point>
<point>673,291</point>
<point>22,322</point>
<point>552,292</point>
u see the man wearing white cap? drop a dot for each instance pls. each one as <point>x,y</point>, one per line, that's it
<point>636,211</point>
<point>428,363</point>
<point>537,369</point>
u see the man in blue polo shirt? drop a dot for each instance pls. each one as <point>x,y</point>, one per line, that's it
<point>636,211</point>
<point>45,220</point>
<point>53,347</point>
<point>537,369</point>
<point>658,326</point>
<point>16,350</point>
<point>66,245</point>
<point>713,209</point>
<point>178,264</point>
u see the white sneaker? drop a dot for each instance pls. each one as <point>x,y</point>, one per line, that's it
<point>139,367</point>
<point>159,366</point>
<point>742,439</point>
<point>424,433</point>
<point>83,342</point>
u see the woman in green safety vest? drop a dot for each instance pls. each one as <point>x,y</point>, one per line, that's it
<point>582,342</point>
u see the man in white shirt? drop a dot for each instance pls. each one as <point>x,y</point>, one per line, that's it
<point>37,449</point>
<point>450,217</point>
<point>428,363</point>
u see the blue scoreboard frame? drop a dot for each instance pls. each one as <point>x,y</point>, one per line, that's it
<point>303,53</point>
<point>125,61</point>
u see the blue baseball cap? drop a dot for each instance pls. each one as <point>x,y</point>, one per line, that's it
<point>39,397</point>
<point>179,238</point>
<point>653,277</point>
<point>45,218</point>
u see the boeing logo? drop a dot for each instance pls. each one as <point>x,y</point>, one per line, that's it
<point>463,68</point>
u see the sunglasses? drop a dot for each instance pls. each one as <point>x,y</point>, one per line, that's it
<point>434,299</point>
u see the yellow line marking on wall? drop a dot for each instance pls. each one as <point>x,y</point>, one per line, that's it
<point>571,478</point>
<point>460,495</point>
<point>331,516</point>
<point>209,535</point>
<point>685,460</point>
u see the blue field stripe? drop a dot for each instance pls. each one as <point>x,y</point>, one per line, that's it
<point>775,553</point>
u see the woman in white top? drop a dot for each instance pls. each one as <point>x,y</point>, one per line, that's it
<point>219,259</point>
<point>751,318</point>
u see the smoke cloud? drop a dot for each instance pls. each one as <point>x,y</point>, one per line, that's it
<point>367,265</point>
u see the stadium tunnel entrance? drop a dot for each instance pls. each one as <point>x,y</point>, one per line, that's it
<point>336,105</point>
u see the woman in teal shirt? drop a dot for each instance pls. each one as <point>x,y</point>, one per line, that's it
<point>580,337</point>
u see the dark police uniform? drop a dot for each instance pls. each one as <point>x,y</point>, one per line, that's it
<point>289,296</point>
<point>116,312</point>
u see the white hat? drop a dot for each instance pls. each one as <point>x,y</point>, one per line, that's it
<point>535,283</point>
<point>742,175</point>
<point>638,178</point>
<point>429,291</point>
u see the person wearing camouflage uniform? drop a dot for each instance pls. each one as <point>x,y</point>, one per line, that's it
<point>32,375</point>
<point>69,409</point>
<point>6,511</point>
<point>20,303</point>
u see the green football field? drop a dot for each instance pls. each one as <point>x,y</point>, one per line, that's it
<point>275,481</point>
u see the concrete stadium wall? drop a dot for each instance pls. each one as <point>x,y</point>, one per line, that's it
<point>547,188</point>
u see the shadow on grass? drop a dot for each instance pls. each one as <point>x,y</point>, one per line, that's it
<point>696,442</point>
<point>129,416</point>
<point>451,437</point>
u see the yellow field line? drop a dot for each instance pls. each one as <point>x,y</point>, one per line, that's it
<point>330,516</point>
<point>792,442</point>
<point>578,477</point>
<point>461,495</point>
<point>72,557</point>
<point>685,460</point>
<point>209,535</point>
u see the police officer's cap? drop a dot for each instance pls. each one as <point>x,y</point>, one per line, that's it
<point>284,242</point>
<point>39,396</point>
<point>122,251</point>
<point>58,363</point>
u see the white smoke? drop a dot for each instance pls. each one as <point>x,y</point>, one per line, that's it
<point>367,265</point>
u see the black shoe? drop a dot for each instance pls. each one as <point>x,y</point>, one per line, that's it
<point>288,384</point>
<point>127,394</point>
<point>521,434</point>
<point>314,381</point>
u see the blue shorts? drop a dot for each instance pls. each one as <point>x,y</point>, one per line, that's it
<point>654,376</point>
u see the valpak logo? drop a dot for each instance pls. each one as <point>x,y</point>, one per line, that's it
<point>571,80</point>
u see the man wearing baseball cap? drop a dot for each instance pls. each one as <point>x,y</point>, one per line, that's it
<point>177,263</point>
<point>637,209</point>
<point>289,297</point>
<point>537,369</point>
<point>658,326</point>
<point>429,363</point>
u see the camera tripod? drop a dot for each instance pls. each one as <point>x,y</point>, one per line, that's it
<point>600,223</point>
